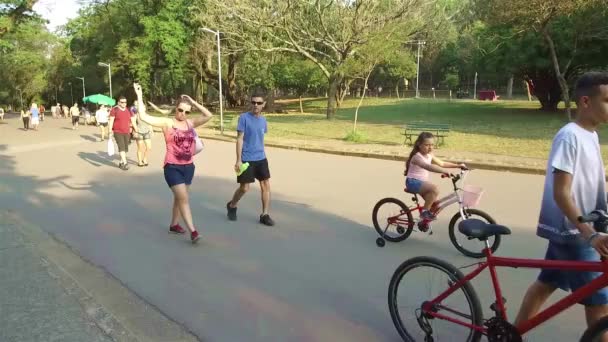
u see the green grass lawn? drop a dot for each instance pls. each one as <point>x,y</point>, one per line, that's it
<point>514,128</point>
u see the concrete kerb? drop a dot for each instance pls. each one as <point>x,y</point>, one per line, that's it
<point>473,165</point>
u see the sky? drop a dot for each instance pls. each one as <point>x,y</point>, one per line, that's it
<point>58,12</point>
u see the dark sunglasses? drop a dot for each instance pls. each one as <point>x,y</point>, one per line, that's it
<point>122,102</point>
<point>257,103</point>
<point>183,111</point>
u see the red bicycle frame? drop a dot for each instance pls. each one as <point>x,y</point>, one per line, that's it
<point>492,262</point>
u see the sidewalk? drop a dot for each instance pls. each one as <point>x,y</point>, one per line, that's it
<point>49,293</point>
<point>35,304</point>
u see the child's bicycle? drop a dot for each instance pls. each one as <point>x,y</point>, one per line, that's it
<point>444,305</point>
<point>394,221</point>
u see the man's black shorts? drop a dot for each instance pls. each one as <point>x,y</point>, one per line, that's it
<point>122,140</point>
<point>257,170</point>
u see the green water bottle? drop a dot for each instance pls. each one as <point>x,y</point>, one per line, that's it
<point>244,167</point>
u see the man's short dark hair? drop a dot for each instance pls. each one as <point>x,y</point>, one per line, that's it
<point>259,93</point>
<point>122,98</point>
<point>589,84</point>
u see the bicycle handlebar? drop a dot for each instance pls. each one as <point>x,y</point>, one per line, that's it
<point>456,177</point>
<point>598,216</point>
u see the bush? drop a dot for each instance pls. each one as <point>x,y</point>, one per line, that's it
<point>356,137</point>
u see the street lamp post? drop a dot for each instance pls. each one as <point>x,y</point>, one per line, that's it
<point>109,74</point>
<point>219,75</point>
<point>419,43</point>
<point>84,93</point>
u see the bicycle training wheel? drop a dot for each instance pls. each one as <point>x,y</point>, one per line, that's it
<point>422,279</point>
<point>392,219</point>
<point>472,247</point>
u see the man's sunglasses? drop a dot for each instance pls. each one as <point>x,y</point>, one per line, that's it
<point>183,111</point>
<point>257,103</point>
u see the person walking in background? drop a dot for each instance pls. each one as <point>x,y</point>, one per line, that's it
<point>121,122</point>
<point>25,117</point>
<point>41,109</point>
<point>101,117</point>
<point>75,114</point>
<point>143,136</point>
<point>1,114</point>
<point>35,116</point>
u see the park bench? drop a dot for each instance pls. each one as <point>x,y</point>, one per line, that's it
<point>412,130</point>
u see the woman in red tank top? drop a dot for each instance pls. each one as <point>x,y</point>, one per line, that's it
<point>180,139</point>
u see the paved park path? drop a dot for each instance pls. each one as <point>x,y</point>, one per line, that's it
<point>316,276</point>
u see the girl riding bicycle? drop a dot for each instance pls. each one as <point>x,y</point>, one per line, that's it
<point>417,167</point>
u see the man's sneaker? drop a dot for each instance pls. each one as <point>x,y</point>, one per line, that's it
<point>231,212</point>
<point>266,220</point>
<point>194,236</point>
<point>177,229</point>
<point>427,215</point>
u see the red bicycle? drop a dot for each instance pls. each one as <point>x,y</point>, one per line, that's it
<point>394,221</point>
<point>457,308</point>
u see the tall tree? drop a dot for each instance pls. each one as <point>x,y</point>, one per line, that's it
<point>13,12</point>
<point>541,16</point>
<point>327,32</point>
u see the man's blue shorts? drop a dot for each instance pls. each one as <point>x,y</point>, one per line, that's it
<point>573,280</point>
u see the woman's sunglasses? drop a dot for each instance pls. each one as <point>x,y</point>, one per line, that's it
<point>183,111</point>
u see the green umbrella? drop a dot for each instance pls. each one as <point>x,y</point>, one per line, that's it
<point>100,99</point>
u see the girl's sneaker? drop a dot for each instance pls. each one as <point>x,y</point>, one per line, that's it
<point>427,215</point>
<point>177,229</point>
<point>194,237</point>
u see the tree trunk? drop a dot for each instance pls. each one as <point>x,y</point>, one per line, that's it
<point>563,84</point>
<point>332,95</point>
<point>362,97</point>
<point>269,108</point>
<point>301,107</point>
<point>397,90</point>
<point>232,90</point>
<point>510,88</point>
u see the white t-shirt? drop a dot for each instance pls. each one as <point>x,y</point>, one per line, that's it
<point>101,115</point>
<point>577,152</point>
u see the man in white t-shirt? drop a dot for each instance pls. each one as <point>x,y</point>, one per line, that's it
<point>101,117</point>
<point>574,185</point>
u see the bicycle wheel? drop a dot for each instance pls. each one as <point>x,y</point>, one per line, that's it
<point>596,332</point>
<point>406,296</point>
<point>392,215</point>
<point>471,248</point>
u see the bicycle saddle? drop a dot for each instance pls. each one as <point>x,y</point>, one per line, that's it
<point>409,192</point>
<point>481,230</point>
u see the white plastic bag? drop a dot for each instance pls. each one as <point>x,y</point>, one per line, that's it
<point>199,145</point>
<point>110,147</point>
